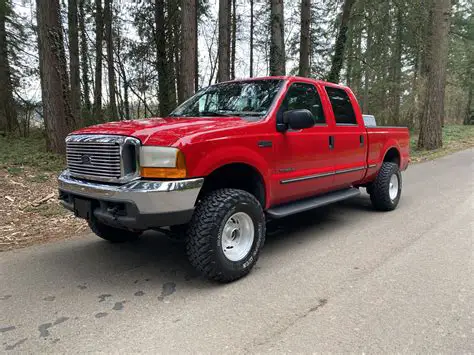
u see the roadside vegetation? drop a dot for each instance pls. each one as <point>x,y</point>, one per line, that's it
<point>29,207</point>
<point>455,138</point>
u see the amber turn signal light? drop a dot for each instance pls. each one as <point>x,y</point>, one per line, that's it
<point>177,172</point>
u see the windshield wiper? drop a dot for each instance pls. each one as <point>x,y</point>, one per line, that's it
<point>248,113</point>
<point>213,114</point>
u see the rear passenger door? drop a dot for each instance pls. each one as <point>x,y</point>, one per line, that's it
<point>303,165</point>
<point>348,139</point>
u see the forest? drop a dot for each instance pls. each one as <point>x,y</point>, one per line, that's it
<point>65,64</point>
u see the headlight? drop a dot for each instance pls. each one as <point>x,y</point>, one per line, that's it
<point>162,163</point>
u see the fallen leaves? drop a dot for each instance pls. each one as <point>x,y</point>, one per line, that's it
<point>30,211</point>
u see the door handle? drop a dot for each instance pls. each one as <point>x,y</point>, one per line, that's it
<point>331,142</point>
<point>361,140</point>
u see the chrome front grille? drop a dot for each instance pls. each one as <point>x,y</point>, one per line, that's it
<point>103,157</point>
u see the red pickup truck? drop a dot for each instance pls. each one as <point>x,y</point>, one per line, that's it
<point>227,160</point>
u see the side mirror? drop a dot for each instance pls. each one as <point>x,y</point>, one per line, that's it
<point>299,119</point>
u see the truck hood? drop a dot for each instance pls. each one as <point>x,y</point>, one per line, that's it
<point>164,131</point>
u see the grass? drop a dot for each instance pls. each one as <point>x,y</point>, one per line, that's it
<point>19,152</point>
<point>455,138</point>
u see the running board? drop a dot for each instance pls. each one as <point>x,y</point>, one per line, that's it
<point>312,202</point>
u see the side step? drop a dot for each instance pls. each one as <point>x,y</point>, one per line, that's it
<point>312,202</point>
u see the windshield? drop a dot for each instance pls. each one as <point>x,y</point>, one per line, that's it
<point>240,98</point>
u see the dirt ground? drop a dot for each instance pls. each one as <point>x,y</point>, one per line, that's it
<point>30,211</point>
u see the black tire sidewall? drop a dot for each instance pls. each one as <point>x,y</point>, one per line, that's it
<point>380,195</point>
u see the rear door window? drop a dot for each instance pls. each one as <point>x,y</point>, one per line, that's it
<point>341,106</point>
<point>304,96</point>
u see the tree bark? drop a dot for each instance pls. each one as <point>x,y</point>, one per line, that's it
<point>99,37</point>
<point>84,53</point>
<point>305,43</point>
<point>436,63</point>
<point>397,67</point>
<point>74,71</point>
<point>109,39</point>
<point>125,82</point>
<point>251,36</point>
<point>56,95</point>
<point>233,39</point>
<point>223,71</point>
<point>196,54</point>
<point>164,72</point>
<point>277,41</point>
<point>8,113</point>
<point>338,58</point>
<point>367,65</point>
<point>174,36</point>
<point>188,47</point>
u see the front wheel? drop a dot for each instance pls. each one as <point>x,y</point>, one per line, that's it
<point>226,235</point>
<point>387,188</point>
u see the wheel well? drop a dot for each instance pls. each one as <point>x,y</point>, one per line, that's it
<point>238,176</point>
<point>392,156</point>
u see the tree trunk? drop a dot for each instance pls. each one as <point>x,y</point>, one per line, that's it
<point>350,58</point>
<point>367,65</point>
<point>305,44</point>
<point>395,91</point>
<point>84,54</point>
<point>173,30</point>
<point>196,54</point>
<point>277,41</point>
<point>8,114</point>
<point>436,63</point>
<point>233,39</point>
<point>251,37</point>
<point>223,71</point>
<point>125,83</point>
<point>188,47</point>
<point>164,73</point>
<point>56,95</point>
<point>356,69</point>
<point>469,111</point>
<point>99,37</point>
<point>74,72</point>
<point>338,58</point>
<point>109,39</point>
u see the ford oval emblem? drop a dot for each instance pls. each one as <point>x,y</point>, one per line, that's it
<point>86,159</point>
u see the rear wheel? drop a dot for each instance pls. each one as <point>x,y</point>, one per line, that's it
<point>113,235</point>
<point>387,187</point>
<point>226,235</point>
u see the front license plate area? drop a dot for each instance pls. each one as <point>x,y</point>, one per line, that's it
<point>82,208</point>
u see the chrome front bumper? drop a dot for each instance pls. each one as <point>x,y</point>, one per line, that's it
<point>144,200</point>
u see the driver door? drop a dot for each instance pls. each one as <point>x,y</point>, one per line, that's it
<point>303,165</point>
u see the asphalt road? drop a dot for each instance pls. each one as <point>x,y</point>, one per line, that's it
<point>339,279</point>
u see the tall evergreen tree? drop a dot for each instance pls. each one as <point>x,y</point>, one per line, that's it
<point>277,41</point>
<point>8,114</point>
<point>56,95</point>
<point>223,71</point>
<point>436,62</point>
<point>74,71</point>
<point>188,47</point>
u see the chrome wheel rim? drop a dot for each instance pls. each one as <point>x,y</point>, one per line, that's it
<point>237,236</point>
<point>393,187</point>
